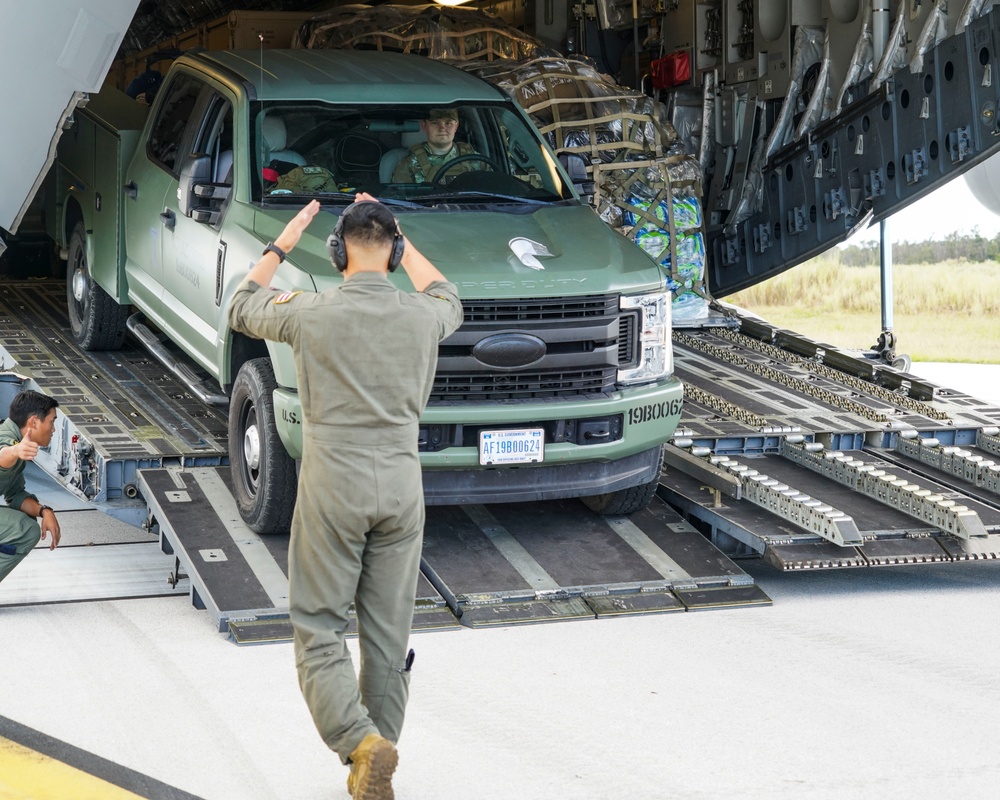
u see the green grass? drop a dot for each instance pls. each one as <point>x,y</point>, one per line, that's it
<point>945,312</point>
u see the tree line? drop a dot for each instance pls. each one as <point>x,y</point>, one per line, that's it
<point>971,247</point>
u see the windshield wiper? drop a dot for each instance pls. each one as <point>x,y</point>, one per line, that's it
<point>325,198</point>
<point>450,196</point>
<point>302,197</point>
<point>391,201</point>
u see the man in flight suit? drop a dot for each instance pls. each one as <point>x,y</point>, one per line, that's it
<point>365,356</point>
<point>425,159</point>
<point>30,423</point>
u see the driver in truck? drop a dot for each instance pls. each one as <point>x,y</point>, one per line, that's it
<point>425,159</point>
<point>365,353</point>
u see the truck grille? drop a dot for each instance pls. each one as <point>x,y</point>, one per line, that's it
<point>485,386</point>
<point>587,339</point>
<point>543,309</point>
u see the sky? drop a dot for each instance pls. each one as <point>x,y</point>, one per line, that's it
<point>950,208</point>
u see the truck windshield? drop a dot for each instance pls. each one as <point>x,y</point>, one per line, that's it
<point>418,154</point>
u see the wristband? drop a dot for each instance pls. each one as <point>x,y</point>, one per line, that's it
<point>43,509</point>
<point>273,248</point>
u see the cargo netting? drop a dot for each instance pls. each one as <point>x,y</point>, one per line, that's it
<point>439,32</point>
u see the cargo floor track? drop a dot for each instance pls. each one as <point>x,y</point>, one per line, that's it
<point>122,410</point>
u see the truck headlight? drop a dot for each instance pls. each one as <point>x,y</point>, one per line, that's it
<point>655,356</point>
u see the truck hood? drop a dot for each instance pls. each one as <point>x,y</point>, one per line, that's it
<point>473,250</point>
<point>69,54</point>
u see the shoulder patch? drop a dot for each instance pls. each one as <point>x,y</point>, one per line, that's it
<point>284,297</point>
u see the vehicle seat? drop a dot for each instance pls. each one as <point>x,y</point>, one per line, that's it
<point>275,139</point>
<point>356,160</point>
<point>389,161</point>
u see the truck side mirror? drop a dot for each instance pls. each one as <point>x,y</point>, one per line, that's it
<point>195,169</point>
<point>577,169</point>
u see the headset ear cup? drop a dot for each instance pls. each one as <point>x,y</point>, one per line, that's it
<point>335,243</point>
<point>396,255</point>
<point>336,250</point>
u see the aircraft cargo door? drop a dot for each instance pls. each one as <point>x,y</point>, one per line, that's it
<point>48,60</point>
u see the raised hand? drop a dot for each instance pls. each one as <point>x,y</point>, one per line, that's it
<point>293,231</point>
<point>26,448</point>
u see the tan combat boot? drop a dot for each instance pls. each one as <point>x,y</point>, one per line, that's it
<point>372,764</point>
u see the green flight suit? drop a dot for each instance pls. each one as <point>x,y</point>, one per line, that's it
<point>365,357</point>
<point>17,529</point>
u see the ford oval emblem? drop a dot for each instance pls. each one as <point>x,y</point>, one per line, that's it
<point>509,350</point>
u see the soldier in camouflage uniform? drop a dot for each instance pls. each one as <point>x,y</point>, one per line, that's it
<point>365,355</point>
<point>426,158</point>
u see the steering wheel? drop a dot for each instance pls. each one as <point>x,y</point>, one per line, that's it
<point>446,167</point>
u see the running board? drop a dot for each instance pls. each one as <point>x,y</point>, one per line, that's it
<point>201,388</point>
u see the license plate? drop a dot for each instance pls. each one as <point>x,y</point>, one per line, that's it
<point>511,447</point>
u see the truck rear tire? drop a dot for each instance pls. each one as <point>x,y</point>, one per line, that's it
<point>96,321</point>
<point>624,501</point>
<point>264,479</point>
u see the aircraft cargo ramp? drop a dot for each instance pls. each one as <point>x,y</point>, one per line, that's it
<point>128,428</point>
<point>789,450</point>
<point>482,565</point>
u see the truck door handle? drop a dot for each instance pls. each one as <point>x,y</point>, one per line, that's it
<point>168,219</point>
<point>131,189</point>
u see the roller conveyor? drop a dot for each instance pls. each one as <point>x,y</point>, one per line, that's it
<point>840,462</point>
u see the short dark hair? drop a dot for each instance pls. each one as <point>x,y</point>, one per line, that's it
<point>29,404</point>
<point>369,224</point>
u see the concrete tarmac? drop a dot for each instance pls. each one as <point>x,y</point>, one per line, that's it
<point>867,683</point>
<point>855,684</point>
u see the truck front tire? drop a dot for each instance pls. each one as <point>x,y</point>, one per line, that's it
<point>96,321</point>
<point>264,479</point>
<point>624,501</point>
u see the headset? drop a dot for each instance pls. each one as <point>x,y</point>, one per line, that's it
<point>338,252</point>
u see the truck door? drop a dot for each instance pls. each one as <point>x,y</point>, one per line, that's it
<point>152,180</point>
<point>193,249</point>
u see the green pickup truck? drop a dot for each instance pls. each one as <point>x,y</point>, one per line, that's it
<point>559,382</point>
